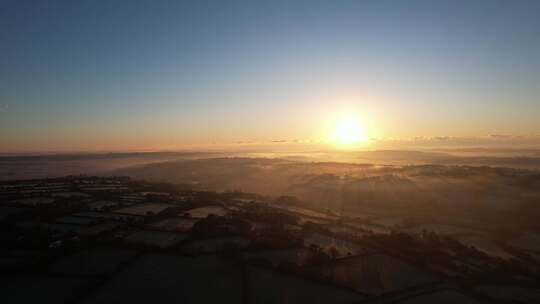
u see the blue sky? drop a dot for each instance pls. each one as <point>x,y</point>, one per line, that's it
<point>78,75</point>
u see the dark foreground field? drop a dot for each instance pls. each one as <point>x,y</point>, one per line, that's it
<point>86,239</point>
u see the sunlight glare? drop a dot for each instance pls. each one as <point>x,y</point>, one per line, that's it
<point>349,131</point>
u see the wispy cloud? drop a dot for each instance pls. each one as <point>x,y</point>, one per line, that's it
<point>457,141</point>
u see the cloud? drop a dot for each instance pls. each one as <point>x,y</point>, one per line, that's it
<point>502,136</point>
<point>442,138</point>
<point>493,140</point>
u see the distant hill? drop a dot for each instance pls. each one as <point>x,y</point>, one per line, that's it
<point>460,191</point>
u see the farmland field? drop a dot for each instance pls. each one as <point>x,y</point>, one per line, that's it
<point>272,287</point>
<point>204,212</point>
<point>42,289</point>
<point>143,209</point>
<point>297,256</point>
<point>504,292</point>
<point>377,274</point>
<point>175,224</point>
<point>205,279</point>
<point>440,297</point>
<point>213,245</point>
<point>97,261</point>
<point>35,201</point>
<point>155,238</point>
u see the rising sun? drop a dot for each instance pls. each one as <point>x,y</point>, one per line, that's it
<point>348,131</point>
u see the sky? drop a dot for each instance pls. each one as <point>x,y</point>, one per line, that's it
<point>154,75</point>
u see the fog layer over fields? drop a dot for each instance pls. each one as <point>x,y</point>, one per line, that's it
<point>498,189</point>
<point>56,165</point>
